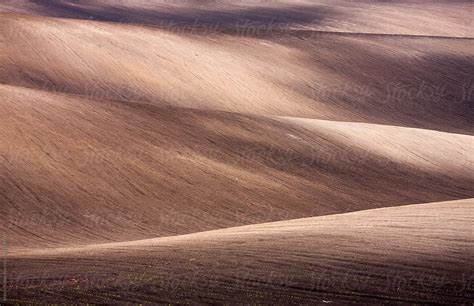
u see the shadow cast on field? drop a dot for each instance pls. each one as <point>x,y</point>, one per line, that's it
<point>432,90</point>
<point>203,17</point>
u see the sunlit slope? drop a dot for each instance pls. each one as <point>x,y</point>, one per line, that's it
<point>117,132</point>
<point>414,82</point>
<point>147,147</point>
<point>407,254</point>
<point>87,171</point>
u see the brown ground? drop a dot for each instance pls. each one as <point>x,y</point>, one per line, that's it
<point>147,149</point>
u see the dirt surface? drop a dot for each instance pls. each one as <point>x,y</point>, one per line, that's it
<point>408,254</point>
<point>212,151</point>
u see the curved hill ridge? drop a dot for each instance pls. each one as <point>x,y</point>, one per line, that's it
<point>123,171</point>
<point>221,152</point>
<point>417,248</point>
<point>424,83</point>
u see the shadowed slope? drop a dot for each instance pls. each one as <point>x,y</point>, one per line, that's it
<point>407,254</point>
<point>424,83</point>
<point>436,18</point>
<point>122,171</point>
<point>115,132</point>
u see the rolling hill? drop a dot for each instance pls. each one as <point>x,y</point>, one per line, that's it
<point>259,151</point>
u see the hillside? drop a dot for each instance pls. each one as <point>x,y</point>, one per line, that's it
<point>238,151</point>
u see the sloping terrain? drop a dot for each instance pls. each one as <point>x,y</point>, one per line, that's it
<point>424,17</point>
<point>145,139</point>
<point>414,253</point>
<point>424,82</point>
<point>116,171</point>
